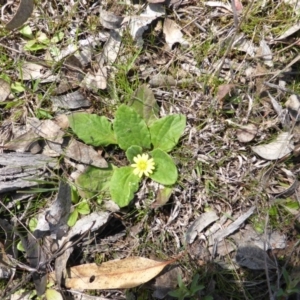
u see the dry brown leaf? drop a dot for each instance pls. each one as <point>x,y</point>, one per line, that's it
<point>33,71</point>
<point>47,129</point>
<point>116,274</point>
<point>223,91</point>
<point>62,121</point>
<point>277,149</point>
<point>4,89</point>
<point>110,20</point>
<point>24,143</point>
<point>85,154</point>
<point>162,197</point>
<point>173,33</point>
<point>24,11</point>
<point>160,80</point>
<point>246,133</point>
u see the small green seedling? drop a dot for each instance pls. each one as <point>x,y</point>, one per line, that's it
<point>145,138</point>
<point>188,292</point>
<point>81,207</point>
<point>291,286</point>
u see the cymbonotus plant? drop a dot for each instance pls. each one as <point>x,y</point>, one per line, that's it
<point>145,138</point>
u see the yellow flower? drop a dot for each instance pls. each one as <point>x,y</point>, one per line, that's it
<point>143,165</point>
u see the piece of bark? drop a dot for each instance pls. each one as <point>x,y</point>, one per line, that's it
<point>73,100</point>
<point>20,170</point>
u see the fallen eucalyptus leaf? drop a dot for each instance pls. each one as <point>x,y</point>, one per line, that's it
<point>199,224</point>
<point>127,273</point>
<point>276,149</point>
<point>221,234</point>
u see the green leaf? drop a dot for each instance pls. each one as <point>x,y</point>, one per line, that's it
<point>83,208</point>
<point>123,185</point>
<point>33,45</point>
<point>20,247</point>
<point>166,131</point>
<point>57,37</point>
<point>165,171</point>
<point>132,152</point>
<point>74,194</point>
<point>72,218</point>
<point>144,103</point>
<point>130,128</point>
<point>32,224</point>
<point>43,114</point>
<point>53,295</point>
<point>17,87</point>
<point>92,129</point>
<point>94,180</point>
<point>26,31</point>
<point>273,211</point>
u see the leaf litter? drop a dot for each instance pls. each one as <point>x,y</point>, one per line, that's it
<point>219,175</point>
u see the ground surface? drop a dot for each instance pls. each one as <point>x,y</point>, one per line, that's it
<point>230,68</point>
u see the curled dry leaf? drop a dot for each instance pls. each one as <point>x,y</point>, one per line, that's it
<point>109,20</point>
<point>163,196</point>
<point>246,133</point>
<point>265,52</point>
<point>219,4</point>
<point>4,89</point>
<point>116,274</point>
<point>97,81</point>
<point>173,33</point>
<point>224,90</point>
<point>24,11</point>
<point>33,71</point>
<point>293,106</point>
<point>276,149</point>
<point>241,43</point>
<point>160,80</point>
<point>138,24</point>
<point>62,121</point>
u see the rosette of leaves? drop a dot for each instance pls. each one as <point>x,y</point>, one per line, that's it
<point>136,129</point>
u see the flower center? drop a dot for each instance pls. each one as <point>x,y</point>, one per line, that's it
<point>143,165</point>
